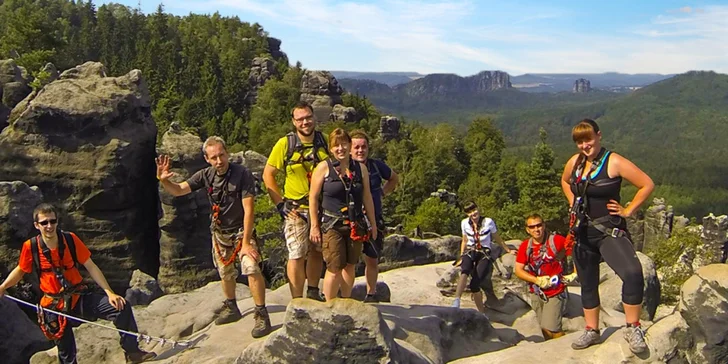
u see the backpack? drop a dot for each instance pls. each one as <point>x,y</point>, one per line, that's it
<point>295,145</point>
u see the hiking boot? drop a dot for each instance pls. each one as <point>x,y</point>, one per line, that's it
<point>262,323</point>
<point>315,294</point>
<point>370,299</point>
<point>139,357</point>
<point>588,338</point>
<point>635,336</point>
<point>456,303</point>
<point>229,313</point>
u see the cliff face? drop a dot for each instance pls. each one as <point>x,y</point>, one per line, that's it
<point>449,84</point>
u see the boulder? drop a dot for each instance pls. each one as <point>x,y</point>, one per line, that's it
<point>610,288</point>
<point>87,141</point>
<point>17,201</point>
<point>714,234</point>
<point>383,294</point>
<point>340,331</point>
<point>322,91</point>
<point>401,251</point>
<point>20,337</point>
<point>261,70</point>
<point>13,88</point>
<point>14,93</point>
<point>143,289</point>
<point>345,114</point>
<point>704,306</point>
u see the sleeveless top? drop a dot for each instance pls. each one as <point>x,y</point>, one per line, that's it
<point>601,188</point>
<point>335,191</point>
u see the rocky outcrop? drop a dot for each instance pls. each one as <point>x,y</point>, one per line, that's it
<point>704,306</point>
<point>401,251</point>
<point>388,128</point>
<point>17,201</point>
<point>274,48</point>
<point>13,88</point>
<point>452,85</point>
<point>322,91</point>
<point>185,250</point>
<point>582,85</point>
<point>20,337</point>
<point>714,234</point>
<point>658,224</point>
<point>143,289</point>
<point>345,114</point>
<point>360,326</point>
<point>87,141</point>
<point>445,196</point>
<point>261,70</point>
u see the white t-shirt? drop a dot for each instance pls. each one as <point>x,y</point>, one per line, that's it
<point>487,228</point>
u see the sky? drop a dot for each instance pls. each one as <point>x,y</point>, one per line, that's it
<point>466,37</point>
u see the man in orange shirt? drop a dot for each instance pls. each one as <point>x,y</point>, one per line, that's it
<point>59,279</point>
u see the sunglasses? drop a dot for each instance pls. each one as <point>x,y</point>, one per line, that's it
<point>46,222</point>
<point>534,226</point>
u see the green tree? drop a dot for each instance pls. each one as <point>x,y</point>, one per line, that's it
<point>436,216</point>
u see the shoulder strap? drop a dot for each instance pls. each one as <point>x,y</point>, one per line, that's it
<point>71,247</point>
<point>529,249</point>
<point>319,143</point>
<point>373,166</point>
<point>35,253</point>
<point>294,143</point>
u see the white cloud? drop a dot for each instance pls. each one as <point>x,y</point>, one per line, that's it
<point>439,36</point>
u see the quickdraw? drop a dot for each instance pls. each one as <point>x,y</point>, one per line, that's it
<point>232,257</point>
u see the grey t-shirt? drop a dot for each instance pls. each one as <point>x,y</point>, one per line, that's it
<point>228,191</point>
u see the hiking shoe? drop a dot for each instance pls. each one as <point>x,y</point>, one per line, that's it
<point>588,338</point>
<point>262,323</point>
<point>139,357</point>
<point>635,336</point>
<point>370,299</point>
<point>315,294</point>
<point>456,303</point>
<point>229,313</point>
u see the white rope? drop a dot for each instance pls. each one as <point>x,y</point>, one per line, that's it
<point>140,337</point>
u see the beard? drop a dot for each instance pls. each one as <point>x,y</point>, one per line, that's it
<point>304,133</point>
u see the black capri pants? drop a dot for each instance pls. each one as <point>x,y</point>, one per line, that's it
<point>475,264</point>
<point>619,254</point>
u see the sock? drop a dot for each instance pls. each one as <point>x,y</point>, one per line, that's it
<point>260,306</point>
<point>634,324</point>
<point>589,328</point>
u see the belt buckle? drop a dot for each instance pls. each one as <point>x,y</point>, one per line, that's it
<point>615,233</point>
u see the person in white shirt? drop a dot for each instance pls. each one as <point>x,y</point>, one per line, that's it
<point>477,254</point>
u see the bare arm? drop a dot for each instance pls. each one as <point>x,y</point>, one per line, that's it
<point>248,226</point>
<point>635,176</point>
<point>164,174</point>
<point>391,184</point>
<point>317,180</point>
<point>13,278</point>
<point>269,179</point>
<point>566,176</point>
<point>97,275</point>
<point>368,201</point>
<point>502,243</point>
<point>463,243</point>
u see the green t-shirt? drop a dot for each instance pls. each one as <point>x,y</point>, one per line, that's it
<point>297,175</point>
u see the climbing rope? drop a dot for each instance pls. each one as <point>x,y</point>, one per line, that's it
<point>140,337</point>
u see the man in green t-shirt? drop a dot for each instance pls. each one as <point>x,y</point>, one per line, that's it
<point>297,154</point>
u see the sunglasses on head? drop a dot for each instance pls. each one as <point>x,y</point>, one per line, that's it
<point>46,222</point>
<point>535,226</point>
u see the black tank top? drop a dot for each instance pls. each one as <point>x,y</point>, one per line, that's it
<point>601,188</point>
<point>334,190</point>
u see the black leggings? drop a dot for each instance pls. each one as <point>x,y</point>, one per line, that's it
<point>475,265</point>
<point>620,255</point>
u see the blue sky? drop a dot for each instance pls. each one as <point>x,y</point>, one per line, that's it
<point>465,37</point>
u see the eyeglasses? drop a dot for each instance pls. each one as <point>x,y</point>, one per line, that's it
<point>304,118</point>
<point>46,222</point>
<point>535,226</point>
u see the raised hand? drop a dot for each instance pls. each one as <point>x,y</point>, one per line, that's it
<point>163,172</point>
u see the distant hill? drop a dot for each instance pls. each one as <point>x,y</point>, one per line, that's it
<point>387,78</point>
<point>610,81</point>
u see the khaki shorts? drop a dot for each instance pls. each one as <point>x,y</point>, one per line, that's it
<point>549,313</point>
<point>339,249</point>
<point>297,236</point>
<point>227,243</point>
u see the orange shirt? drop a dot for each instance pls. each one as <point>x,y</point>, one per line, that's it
<point>48,281</point>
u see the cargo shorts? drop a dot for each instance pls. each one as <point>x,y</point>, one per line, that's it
<point>226,243</point>
<point>339,250</point>
<point>550,313</point>
<point>298,241</point>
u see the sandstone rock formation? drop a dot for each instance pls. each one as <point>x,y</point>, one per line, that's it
<point>388,128</point>
<point>274,48</point>
<point>610,288</point>
<point>87,141</point>
<point>346,114</point>
<point>13,88</point>
<point>401,251</point>
<point>450,84</point>
<point>17,201</point>
<point>261,70</point>
<point>322,91</point>
<point>714,234</point>
<point>658,224</point>
<point>143,289</point>
<point>582,85</point>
